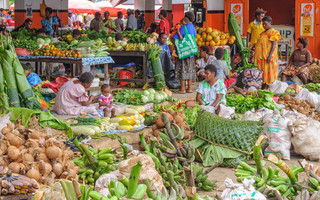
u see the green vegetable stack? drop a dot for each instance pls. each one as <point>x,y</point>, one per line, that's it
<point>17,88</point>
<point>93,164</point>
<point>201,178</point>
<point>153,55</point>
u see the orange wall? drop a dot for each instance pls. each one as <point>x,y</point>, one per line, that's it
<point>177,12</point>
<point>149,17</point>
<point>282,13</point>
<point>20,17</point>
<point>215,20</point>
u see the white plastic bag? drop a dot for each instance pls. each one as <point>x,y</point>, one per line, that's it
<point>226,112</point>
<point>278,133</point>
<point>306,138</point>
<point>304,94</point>
<point>104,180</point>
<point>278,87</point>
<point>252,116</point>
<point>244,191</point>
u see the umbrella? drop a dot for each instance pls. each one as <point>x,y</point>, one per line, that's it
<point>83,6</point>
<point>107,6</point>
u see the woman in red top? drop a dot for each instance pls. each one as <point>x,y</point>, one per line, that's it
<point>10,21</point>
<point>164,23</point>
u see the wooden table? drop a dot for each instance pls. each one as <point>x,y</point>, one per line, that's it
<point>76,64</point>
<point>138,57</point>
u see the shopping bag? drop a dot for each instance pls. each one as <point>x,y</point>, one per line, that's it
<point>187,46</point>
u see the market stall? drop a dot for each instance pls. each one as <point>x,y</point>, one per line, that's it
<point>77,63</point>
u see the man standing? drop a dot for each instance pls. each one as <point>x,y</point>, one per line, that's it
<point>164,23</point>
<point>132,20</point>
<point>119,22</point>
<point>70,19</point>
<point>95,23</point>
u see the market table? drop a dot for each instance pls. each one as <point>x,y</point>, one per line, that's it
<point>77,63</point>
<point>138,57</point>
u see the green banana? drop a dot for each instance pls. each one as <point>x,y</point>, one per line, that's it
<point>264,174</point>
<point>270,173</point>
<point>204,178</point>
<point>314,182</point>
<point>247,167</point>
<point>133,180</point>
<point>140,191</point>
<point>163,136</point>
<point>198,178</point>
<point>200,171</point>
<point>207,188</point>
<point>276,171</point>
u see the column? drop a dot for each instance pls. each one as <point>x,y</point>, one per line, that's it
<point>215,14</point>
<point>167,5</point>
<point>149,15</point>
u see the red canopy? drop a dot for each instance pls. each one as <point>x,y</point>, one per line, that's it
<point>83,6</point>
<point>107,6</point>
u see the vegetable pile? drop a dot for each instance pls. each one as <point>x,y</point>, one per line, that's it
<point>34,154</point>
<point>256,101</point>
<point>313,87</point>
<point>136,97</point>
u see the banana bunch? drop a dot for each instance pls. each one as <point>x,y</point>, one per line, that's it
<point>94,164</point>
<point>270,178</point>
<point>171,172</point>
<point>186,153</point>
<point>15,184</point>
<point>201,178</point>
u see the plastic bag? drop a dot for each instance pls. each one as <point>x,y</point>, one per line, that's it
<point>278,87</point>
<point>226,112</point>
<point>252,116</point>
<point>278,133</point>
<point>305,138</point>
<point>5,119</point>
<point>244,191</point>
<point>304,94</point>
<point>148,170</point>
<point>103,181</point>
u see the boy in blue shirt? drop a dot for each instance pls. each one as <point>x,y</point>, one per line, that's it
<point>162,42</point>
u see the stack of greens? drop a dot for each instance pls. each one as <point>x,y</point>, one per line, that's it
<point>259,100</point>
<point>313,87</point>
<point>15,89</point>
<point>136,97</point>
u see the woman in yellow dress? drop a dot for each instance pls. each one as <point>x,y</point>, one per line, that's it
<point>254,30</point>
<point>266,53</point>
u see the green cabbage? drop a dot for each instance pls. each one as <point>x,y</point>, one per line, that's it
<point>146,93</point>
<point>157,98</point>
<point>151,90</point>
<point>144,99</point>
<point>40,41</point>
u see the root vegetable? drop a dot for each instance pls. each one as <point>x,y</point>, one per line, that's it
<point>3,147</point>
<point>69,165</point>
<point>68,154</point>
<point>53,152</point>
<point>13,153</point>
<point>178,119</point>
<point>57,168</point>
<point>42,156</point>
<point>35,135</point>
<point>159,122</point>
<point>45,168</point>
<point>183,116</point>
<point>190,103</point>
<point>171,112</point>
<point>297,101</point>
<point>15,167</point>
<point>6,129</point>
<point>170,116</point>
<point>32,143</point>
<point>15,140</point>
<point>33,174</point>
<point>27,157</point>
<point>311,103</point>
<point>287,97</point>
<point>154,127</point>
<point>22,147</point>
<point>3,161</point>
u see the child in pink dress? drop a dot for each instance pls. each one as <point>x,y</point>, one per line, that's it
<point>106,101</point>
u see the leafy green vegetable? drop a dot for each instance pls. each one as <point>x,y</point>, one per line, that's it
<point>191,114</point>
<point>242,104</point>
<point>132,97</point>
<point>30,45</point>
<point>313,87</point>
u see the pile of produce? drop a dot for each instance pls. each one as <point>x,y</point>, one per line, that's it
<point>15,90</point>
<point>30,45</point>
<point>302,106</point>
<point>313,87</point>
<point>257,100</point>
<point>269,182</point>
<point>135,36</point>
<point>213,37</point>
<point>93,163</point>
<point>136,97</point>
<point>90,126</point>
<point>14,184</point>
<point>51,50</point>
<point>179,126</point>
<point>314,71</point>
<point>34,154</point>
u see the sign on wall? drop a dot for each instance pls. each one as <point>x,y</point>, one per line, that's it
<point>307,19</point>
<point>237,10</point>
<point>29,10</point>
<point>287,32</point>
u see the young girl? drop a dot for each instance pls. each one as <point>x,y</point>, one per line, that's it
<point>106,100</point>
<point>177,27</point>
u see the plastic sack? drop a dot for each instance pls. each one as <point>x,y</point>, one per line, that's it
<point>279,135</point>
<point>244,191</point>
<point>304,94</point>
<point>104,180</point>
<point>252,116</point>
<point>148,170</point>
<point>278,87</point>
<point>124,74</point>
<point>4,121</point>
<point>226,112</point>
<point>305,138</point>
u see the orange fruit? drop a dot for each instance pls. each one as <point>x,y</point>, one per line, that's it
<point>207,43</point>
<point>222,37</point>
<point>198,36</point>
<point>212,43</point>
<point>216,39</point>
<point>209,38</point>
<point>233,38</point>
<point>218,43</point>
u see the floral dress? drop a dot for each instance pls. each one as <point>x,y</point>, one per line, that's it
<point>48,24</point>
<point>263,48</point>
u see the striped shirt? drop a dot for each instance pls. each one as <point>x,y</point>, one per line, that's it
<point>105,100</point>
<point>209,94</point>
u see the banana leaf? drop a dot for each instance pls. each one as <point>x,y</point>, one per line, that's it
<point>23,85</point>
<point>10,79</point>
<point>157,70</point>
<point>4,103</point>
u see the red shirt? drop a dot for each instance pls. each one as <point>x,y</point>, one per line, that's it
<point>10,22</point>
<point>165,26</point>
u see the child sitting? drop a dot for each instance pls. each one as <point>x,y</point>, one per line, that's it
<point>106,100</point>
<point>222,68</point>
